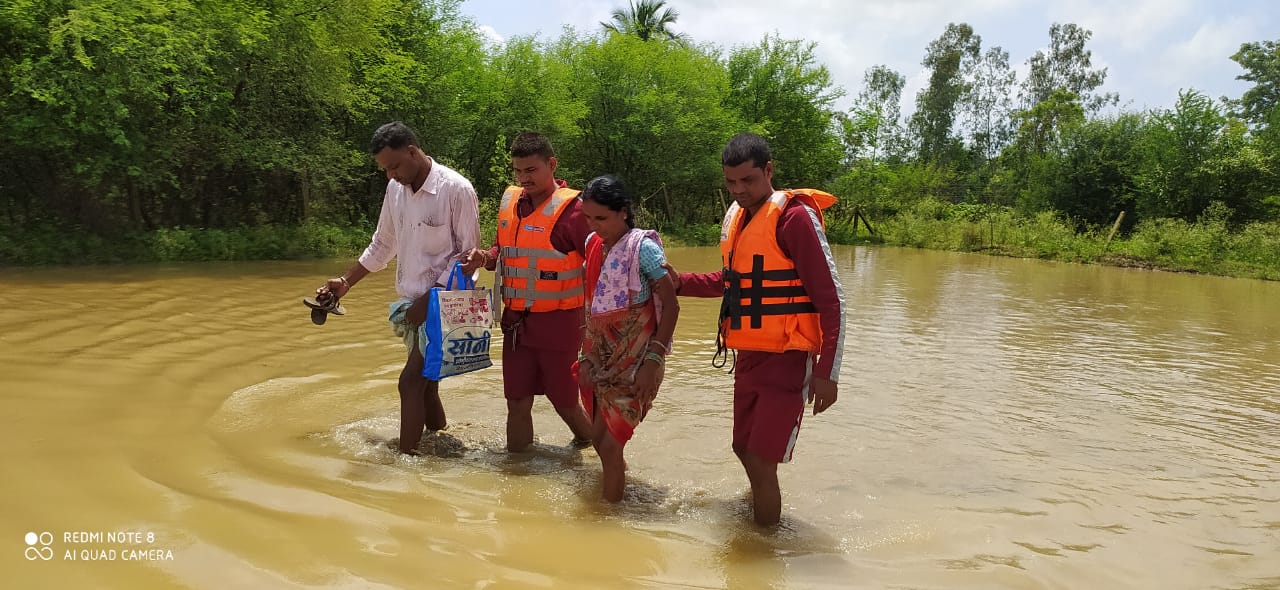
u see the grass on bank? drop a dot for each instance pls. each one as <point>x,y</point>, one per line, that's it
<point>48,245</point>
<point>1210,245</point>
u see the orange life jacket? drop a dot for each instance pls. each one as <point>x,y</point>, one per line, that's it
<point>532,274</point>
<point>765,307</point>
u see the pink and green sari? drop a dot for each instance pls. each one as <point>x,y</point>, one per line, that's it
<point>618,332</point>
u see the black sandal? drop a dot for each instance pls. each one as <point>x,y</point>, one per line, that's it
<point>320,310</point>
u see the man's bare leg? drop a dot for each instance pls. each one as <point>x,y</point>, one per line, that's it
<point>766,495</point>
<point>435,408</point>
<point>420,405</point>
<point>519,424</point>
<point>576,419</point>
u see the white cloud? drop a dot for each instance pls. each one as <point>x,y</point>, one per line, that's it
<point>1203,60</point>
<point>1128,24</point>
<point>491,34</point>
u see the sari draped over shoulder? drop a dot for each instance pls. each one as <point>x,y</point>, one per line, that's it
<point>618,332</point>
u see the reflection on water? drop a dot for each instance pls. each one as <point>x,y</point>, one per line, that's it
<point>1001,423</point>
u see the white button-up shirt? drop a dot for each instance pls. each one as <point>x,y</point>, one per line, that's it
<point>426,231</point>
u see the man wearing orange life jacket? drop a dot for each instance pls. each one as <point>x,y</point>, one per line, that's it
<point>782,311</point>
<point>538,259</point>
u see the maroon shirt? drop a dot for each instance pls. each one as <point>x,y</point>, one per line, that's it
<point>559,329</point>
<point>803,241</point>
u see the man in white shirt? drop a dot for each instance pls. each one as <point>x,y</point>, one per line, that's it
<point>430,215</point>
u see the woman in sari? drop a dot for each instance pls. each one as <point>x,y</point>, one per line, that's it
<point>631,311</point>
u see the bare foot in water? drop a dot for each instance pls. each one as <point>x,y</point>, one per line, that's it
<point>394,444</point>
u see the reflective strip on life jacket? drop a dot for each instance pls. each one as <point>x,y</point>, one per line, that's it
<point>532,275</point>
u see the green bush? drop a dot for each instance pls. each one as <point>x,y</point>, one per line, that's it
<point>971,237</point>
<point>931,208</point>
<point>694,234</point>
<point>1257,243</point>
<point>169,245</point>
<point>1208,245</point>
<point>45,245</point>
<point>842,232</point>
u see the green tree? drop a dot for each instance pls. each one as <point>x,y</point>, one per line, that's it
<point>154,114</point>
<point>988,103</point>
<point>1247,173</point>
<point>1261,62</point>
<point>1068,66</point>
<point>1095,176</point>
<point>430,70</point>
<point>872,129</point>
<point>780,90</point>
<point>645,122</point>
<point>1040,128</point>
<point>1176,177</point>
<point>1033,158</point>
<point>948,58</point>
<point>646,19</point>
<point>524,86</point>
<point>105,98</point>
<point>872,136</point>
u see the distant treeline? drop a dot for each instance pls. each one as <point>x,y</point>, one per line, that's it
<point>125,126</point>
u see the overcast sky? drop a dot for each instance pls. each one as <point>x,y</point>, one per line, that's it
<point>1151,48</point>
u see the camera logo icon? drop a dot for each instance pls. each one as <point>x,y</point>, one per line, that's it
<point>38,546</point>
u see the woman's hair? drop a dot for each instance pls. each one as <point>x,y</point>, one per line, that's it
<point>609,191</point>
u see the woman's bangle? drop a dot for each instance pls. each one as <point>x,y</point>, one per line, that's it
<point>344,282</point>
<point>655,357</point>
<point>665,348</point>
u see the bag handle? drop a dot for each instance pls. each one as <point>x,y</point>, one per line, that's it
<point>464,282</point>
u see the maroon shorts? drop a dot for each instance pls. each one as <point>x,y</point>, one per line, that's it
<point>769,395</point>
<point>528,371</point>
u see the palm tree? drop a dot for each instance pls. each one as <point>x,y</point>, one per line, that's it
<point>646,19</point>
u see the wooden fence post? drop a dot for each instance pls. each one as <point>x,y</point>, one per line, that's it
<point>1114,228</point>
<point>858,212</point>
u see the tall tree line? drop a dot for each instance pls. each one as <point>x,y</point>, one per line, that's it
<point>120,117</point>
<point>1054,141</point>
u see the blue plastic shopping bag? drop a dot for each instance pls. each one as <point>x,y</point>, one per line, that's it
<point>459,317</point>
